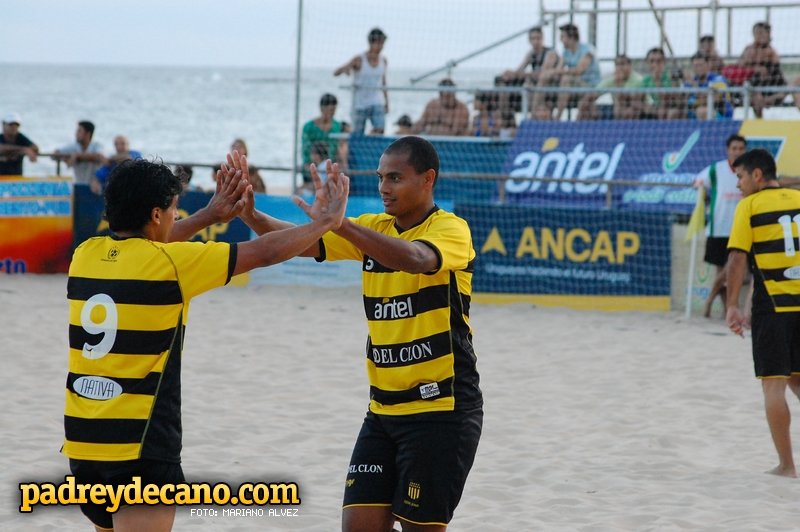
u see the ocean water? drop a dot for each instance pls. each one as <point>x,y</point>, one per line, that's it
<point>185,114</point>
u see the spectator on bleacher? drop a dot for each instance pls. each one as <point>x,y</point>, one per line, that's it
<point>319,129</point>
<point>84,156</point>
<point>763,60</point>
<point>445,115</point>
<point>540,59</point>
<point>627,106</point>
<point>14,146</point>
<point>659,106</point>
<point>487,120</point>
<point>708,47</point>
<point>122,152</point>
<point>578,68</point>
<point>404,126</point>
<point>371,100</point>
<point>697,103</point>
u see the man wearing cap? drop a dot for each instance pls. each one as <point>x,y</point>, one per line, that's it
<point>370,101</point>
<point>14,146</point>
<point>84,155</point>
<point>445,115</point>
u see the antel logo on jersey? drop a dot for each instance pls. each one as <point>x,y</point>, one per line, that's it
<point>577,164</point>
<point>392,308</point>
<point>100,388</point>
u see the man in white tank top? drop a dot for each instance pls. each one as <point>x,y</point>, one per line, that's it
<point>370,100</point>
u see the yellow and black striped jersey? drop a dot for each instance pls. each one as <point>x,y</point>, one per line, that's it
<point>419,351</point>
<point>128,304</point>
<point>766,226</point>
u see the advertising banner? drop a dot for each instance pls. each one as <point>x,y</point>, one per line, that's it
<point>648,152</point>
<point>588,259</point>
<point>36,224</point>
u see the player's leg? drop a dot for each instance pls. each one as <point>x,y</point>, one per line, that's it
<point>779,419</point>
<point>371,477</point>
<point>144,518</point>
<point>431,478</point>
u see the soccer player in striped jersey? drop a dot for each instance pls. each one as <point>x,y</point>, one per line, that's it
<point>128,299</point>
<point>765,229</point>
<point>420,435</point>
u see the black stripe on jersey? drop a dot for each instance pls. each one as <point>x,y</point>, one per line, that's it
<point>786,300</point>
<point>232,257</point>
<point>126,342</point>
<point>406,305</point>
<point>412,394</point>
<point>408,353</point>
<point>772,246</point>
<point>470,266</point>
<point>104,430</point>
<point>373,266</point>
<point>768,218</point>
<point>146,386</point>
<point>126,292</point>
<point>774,274</point>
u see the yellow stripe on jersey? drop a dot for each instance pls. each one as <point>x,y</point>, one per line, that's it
<point>419,352</point>
<point>128,299</point>
<point>767,224</point>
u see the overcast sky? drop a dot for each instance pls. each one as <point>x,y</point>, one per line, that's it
<point>262,33</point>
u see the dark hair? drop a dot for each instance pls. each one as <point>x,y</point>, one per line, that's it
<point>135,188</point>
<point>656,50</point>
<point>422,156</point>
<point>376,34</point>
<point>757,158</point>
<point>735,138</point>
<point>535,29</point>
<point>707,38</point>
<point>327,99</point>
<point>624,58</point>
<point>184,172</point>
<point>87,126</point>
<point>571,30</point>
<point>764,25</point>
<point>447,82</point>
<point>321,149</point>
<point>700,55</point>
<point>404,120</point>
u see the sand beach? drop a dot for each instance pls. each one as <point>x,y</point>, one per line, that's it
<point>594,421</point>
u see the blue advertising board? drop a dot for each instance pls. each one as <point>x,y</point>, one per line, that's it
<point>648,152</point>
<point>471,155</point>
<point>622,257</point>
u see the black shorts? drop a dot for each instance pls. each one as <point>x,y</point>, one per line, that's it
<point>776,344</point>
<point>121,473</point>
<point>417,464</point>
<point>716,250</point>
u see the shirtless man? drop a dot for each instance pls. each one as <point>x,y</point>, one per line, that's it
<point>445,115</point>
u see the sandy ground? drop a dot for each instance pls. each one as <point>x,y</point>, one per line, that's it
<point>594,421</point>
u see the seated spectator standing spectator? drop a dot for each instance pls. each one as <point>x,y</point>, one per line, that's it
<point>445,115</point>
<point>697,103</point>
<point>708,48</point>
<point>659,106</point>
<point>578,68</point>
<point>123,152</point>
<point>765,63</point>
<point>627,106</point>
<point>14,146</point>
<point>84,156</point>
<point>539,58</point>
<point>319,129</point>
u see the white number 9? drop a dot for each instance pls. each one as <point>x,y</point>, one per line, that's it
<point>107,326</point>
